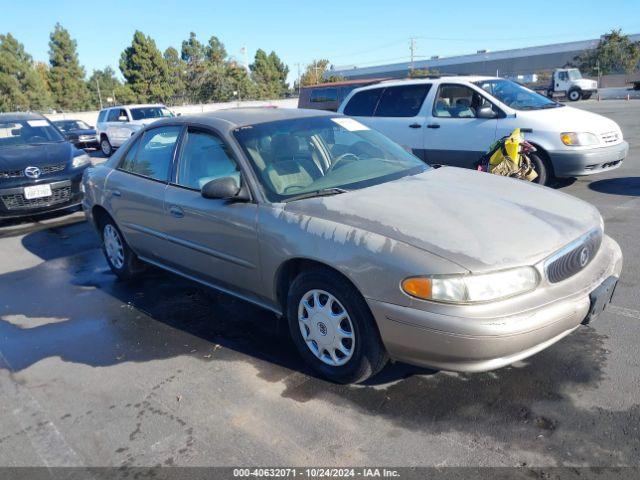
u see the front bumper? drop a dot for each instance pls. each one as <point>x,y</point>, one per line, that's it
<point>479,341</point>
<point>65,193</point>
<point>588,162</point>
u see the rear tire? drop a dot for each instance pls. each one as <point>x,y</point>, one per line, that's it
<point>105,147</point>
<point>121,259</point>
<point>348,347</point>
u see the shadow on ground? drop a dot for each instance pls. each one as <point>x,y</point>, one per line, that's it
<point>81,313</point>
<point>627,186</point>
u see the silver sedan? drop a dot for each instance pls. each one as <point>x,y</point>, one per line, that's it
<point>369,253</point>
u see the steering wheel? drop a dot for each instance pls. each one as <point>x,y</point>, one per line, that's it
<point>342,157</point>
<point>288,187</point>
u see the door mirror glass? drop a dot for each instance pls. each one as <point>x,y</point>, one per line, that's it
<point>225,188</point>
<point>486,112</point>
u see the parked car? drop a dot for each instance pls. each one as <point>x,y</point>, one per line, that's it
<point>39,170</point>
<point>453,120</point>
<point>78,133</point>
<point>329,96</point>
<point>367,251</point>
<point>116,124</point>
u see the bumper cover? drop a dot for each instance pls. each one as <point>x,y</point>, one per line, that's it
<point>450,341</point>
<point>588,162</point>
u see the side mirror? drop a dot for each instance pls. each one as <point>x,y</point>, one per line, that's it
<point>487,112</point>
<point>92,126</point>
<point>225,188</point>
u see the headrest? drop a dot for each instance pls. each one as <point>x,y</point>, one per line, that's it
<point>284,146</point>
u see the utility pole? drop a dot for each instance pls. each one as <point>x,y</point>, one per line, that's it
<point>412,50</point>
<point>99,95</point>
<point>298,65</point>
<point>315,69</point>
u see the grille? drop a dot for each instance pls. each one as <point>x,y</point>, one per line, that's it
<point>610,137</point>
<point>574,257</point>
<point>46,170</point>
<point>18,202</point>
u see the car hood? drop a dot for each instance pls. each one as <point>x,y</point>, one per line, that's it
<point>18,157</point>
<point>569,119</point>
<point>479,221</point>
<point>76,133</point>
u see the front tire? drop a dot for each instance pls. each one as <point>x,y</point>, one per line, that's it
<point>105,147</point>
<point>574,95</point>
<point>333,328</point>
<point>540,168</point>
<point>121,259</point>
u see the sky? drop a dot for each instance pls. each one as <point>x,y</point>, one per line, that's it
<point>346,32</point>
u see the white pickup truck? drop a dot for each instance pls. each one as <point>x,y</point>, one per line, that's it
<point>116,124</point>
<point>453,121</point>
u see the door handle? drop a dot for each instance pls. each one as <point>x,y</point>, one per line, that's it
<point>415,125</point>
<point>116,193</point>
<point>176,211</point>
<point>433,125</point>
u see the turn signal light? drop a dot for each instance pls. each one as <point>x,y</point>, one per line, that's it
<point>420,287</point>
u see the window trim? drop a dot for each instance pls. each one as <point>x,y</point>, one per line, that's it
<point>140,138</point>
<point>499,111</point>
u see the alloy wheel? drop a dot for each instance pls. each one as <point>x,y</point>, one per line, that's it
<point>113,246</point>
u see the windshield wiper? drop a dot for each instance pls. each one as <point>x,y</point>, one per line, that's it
<point>323,192</point>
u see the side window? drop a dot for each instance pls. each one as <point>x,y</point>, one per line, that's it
<point>458,101</point>
<point>322,95</point>
<point>363,103</point>
<point>563,76</point>
<point>122,115</point>
<point>102,116</point>
<point>151,156</point>
<point>113,115</point>
<point>404,101</point>
<point>204,157</point>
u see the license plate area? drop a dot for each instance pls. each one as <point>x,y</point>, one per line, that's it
<point>37,191</point>
<point>600,298</point>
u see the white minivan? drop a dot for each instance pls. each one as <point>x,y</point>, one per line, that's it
<point>116,124</point>
<point>454,120</point>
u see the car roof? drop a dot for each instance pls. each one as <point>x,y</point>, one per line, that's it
<point>136,105</point>
<point>434,79</point>
<point>239,117</point>
<point>18,116</point>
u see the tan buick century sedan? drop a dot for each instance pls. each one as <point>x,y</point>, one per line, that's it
<point>369,253</point>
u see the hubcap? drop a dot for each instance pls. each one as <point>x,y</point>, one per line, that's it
<point>113,246</point>
<point>326,327</point>
<point>106,148</point>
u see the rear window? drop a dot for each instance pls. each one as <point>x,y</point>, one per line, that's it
<point>403,101</point>
<point>363,103</point>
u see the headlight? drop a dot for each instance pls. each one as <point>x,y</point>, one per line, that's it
<point>577,139</point>
<point>80,161</point>
<point>472,288</point>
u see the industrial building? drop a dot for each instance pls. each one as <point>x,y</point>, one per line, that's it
<point>511,63</point>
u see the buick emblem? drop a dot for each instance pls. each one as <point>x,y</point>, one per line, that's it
<point>32,172</point>
<point>584,257</point>
<point>322,328</point>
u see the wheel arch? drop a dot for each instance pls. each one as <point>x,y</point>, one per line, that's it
<point>546,158</point>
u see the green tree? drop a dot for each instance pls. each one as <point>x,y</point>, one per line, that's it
<point>270,75</point>
<point>315,73</point>
<point>21,86</point>
<point>193,54</point>
<point>215,52</point>
<point>177,69</point>
<point>66,75</point>
<point>109,87</point>
<point>241,82</point>
<point>423,72</point>
<point>145,70</point>
<point>615,53</point>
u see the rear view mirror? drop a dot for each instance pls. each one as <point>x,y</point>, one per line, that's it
<point>487,112</point>
<point>225,188</point>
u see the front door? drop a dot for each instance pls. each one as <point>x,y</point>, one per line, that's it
<point>213,240</point>
<point>454,135</point>
<point>135,190</point>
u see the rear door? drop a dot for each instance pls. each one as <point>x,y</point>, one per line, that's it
<point>454,135</point>
<point>135,190</point>
<point>118,130</point>
<point>214,240</point>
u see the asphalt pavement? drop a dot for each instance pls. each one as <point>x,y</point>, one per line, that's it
<point>161,371</point>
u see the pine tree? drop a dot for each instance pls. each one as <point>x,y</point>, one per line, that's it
<point>66,75</point>
<point>106,82</point>
<point>21,87</point>
<point>270,75</point>
<point>145,70</point>
<point>177,74</point>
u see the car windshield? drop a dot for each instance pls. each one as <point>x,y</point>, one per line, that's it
<point>27,132</point>
<point>574,74</point>
<point>515,95</point>
<point>142,113</point>
<point>69,125</point>
<point>322,155</point>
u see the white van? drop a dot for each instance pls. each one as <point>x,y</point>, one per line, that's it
<point>116,124</point>
<point>454,120</point>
